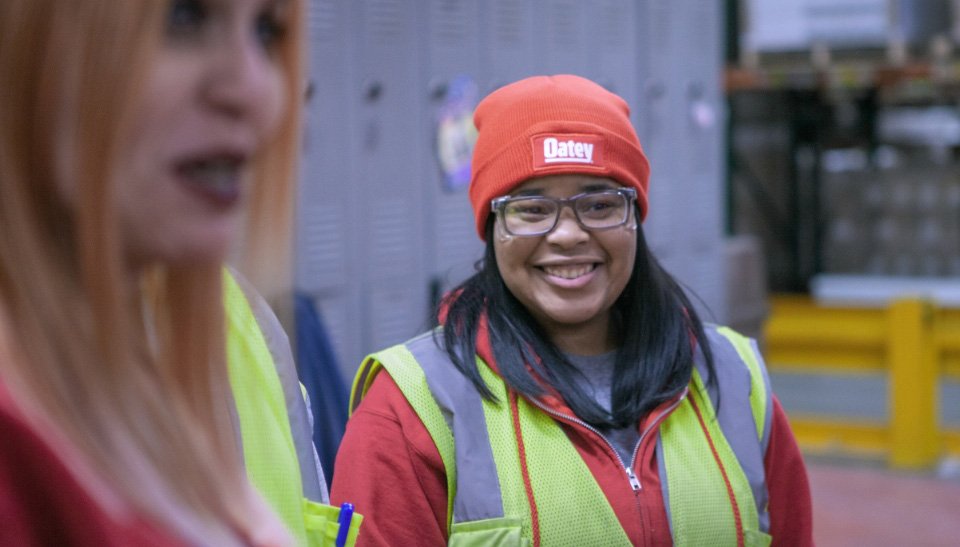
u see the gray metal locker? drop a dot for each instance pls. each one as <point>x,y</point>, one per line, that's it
<point>452,66</point>
<point>698,37</point>
<point>610,26</point>
<point>508,45</point>
<point>563,45</point>
<point>389,172</point>
<point>657,125</point>
<point>680,78</point>
<point>325,267</point>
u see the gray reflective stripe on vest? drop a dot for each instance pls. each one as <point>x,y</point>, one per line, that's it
<point>735,417</point>
<point>462,408</point>
<point>311,475</point>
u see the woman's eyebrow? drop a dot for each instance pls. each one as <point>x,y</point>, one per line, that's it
<point>597,187</point>
<point>529,192</point>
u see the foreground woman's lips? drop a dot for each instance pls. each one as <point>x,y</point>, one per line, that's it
<point>215,177</point>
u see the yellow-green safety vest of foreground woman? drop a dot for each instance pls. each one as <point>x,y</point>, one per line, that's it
<point>272,420</point>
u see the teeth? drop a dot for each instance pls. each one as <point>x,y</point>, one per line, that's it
<point>569,272</point>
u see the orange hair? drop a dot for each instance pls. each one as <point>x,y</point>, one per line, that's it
<point>149,414</point>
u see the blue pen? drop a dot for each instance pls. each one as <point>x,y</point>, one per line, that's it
<point>346,515</point>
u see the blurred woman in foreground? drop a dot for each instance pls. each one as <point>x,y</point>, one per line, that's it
<point>136,138</point>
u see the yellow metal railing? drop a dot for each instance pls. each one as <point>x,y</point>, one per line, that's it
<point>911,341</point>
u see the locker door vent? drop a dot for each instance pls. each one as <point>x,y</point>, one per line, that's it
<point>385,20</point>
<point>705,38</point>
<point>450,21</point>
<point>396,317</point>
<point>459,245</point>
<point>509,21</point>
<point>323,18</point>
<point>614,17</point>
<point>564,25</point>
<point>322,248</point>
<point>659,28</point>
<point>392,248</point>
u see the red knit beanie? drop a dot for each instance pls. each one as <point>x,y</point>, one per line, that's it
<point>549,125</point>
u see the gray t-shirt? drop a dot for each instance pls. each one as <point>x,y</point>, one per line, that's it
<point>599,372</point>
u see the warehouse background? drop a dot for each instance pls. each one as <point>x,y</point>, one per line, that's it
<point>805,187</point>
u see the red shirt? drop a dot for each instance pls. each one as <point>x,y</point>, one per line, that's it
<point>390,469</point>
<point>42,503</point>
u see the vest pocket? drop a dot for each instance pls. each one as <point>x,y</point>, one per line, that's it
<point>496,532</point>
<point>756,538</point>
<point>322,526</point>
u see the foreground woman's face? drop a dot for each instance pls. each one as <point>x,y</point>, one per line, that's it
<point>570,277</point>
<point>214,98</point>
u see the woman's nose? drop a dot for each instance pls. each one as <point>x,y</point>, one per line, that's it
<point>243,81</point>
<point>568,231</point>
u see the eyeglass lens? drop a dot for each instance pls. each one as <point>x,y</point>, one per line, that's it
<point>537,215</point>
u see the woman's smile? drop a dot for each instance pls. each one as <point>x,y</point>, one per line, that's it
<point>569,271</point>
<point>571,276</point>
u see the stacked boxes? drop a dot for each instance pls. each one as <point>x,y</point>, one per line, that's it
<point>896,213</point>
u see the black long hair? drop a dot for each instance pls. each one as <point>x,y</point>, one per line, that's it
<point>653,320</point>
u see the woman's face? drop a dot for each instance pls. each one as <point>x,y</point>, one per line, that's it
<point>214,98</point>
<point>570,277</point>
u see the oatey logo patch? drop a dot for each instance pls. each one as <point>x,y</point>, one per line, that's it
<point>551,150</point>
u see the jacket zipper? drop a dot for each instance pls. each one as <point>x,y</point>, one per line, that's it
<point>656,421</point>
<point>631,476</point>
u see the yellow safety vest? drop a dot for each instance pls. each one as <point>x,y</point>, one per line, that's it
<point>487,502</point>
<point>273,425</point>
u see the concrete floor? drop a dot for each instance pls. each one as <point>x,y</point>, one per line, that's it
<point>865,505</point>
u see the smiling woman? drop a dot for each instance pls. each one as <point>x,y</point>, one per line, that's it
<point>136,137</point>
<point>572,395</point>
<point>566,279</point>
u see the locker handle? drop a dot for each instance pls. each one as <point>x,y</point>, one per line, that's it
<point>437,88</point>
<point>372,91</point>
<point>656,91</point>
<point>696,91</point>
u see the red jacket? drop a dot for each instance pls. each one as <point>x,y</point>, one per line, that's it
<point>42,503</point>
<point>388,466</point>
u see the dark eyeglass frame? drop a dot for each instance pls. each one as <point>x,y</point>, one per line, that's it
<point>498,205</point>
